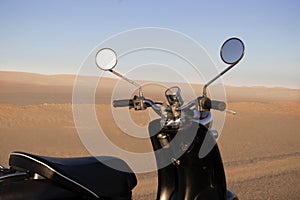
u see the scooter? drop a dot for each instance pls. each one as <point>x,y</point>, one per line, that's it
<point>188,175</point>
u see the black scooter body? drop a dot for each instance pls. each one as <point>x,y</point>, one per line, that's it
<point>65,178</point>
<point>191,177</point>
<point>35,189</point>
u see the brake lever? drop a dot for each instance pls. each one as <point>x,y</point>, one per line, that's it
<point>231,111</point>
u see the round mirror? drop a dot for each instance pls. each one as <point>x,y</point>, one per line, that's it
<point>106,59</point>
<point>232,50</point>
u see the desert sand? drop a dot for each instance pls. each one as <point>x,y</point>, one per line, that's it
<point>260,145</point>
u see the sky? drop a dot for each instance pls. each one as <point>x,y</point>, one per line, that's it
<point>55,36</point>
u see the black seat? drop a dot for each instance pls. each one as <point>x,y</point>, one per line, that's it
<point>85,175</point>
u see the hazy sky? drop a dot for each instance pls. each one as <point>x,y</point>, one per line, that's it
<point>54,36</point>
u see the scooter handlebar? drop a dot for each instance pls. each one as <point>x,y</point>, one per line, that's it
<point>123,103</point>
<point>218,105</point>
<point>206,104</point>
<point>214,104</point>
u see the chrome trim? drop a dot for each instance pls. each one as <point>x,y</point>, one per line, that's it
<point>155,107</point>
<point>197,114</point>
<point>174,96</point>
<point>204,121</point>
<point>53,170</point>
<point>12,175</point>
<point>231,111</point>
<point>214,133</point>
<point>188,105</point>
<point>37,176</point>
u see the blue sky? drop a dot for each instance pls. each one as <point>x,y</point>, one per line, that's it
<point>54,37</point>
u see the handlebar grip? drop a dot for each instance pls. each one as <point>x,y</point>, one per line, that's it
<point>213,104</point>
<point>218,105</point>
<point>123,103</point>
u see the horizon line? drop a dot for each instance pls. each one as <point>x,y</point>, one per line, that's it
<point>226,85</point>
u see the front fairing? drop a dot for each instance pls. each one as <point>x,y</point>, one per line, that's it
<point>192,175</point>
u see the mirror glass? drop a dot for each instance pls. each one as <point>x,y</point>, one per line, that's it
<point>232,50</point>
<point>106,59</point>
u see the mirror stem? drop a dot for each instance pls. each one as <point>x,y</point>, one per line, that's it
<point>129,81</point>
<point>215,78</point>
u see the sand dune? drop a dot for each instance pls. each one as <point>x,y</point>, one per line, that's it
<point>39,89</point>
<point>259,145</point>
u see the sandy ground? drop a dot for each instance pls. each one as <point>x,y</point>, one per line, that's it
<point>259,145</point>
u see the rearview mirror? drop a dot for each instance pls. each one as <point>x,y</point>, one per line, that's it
<point>232,50</point>
<point>106,59</point>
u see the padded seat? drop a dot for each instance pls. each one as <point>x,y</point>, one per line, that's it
<point>85,175</point>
